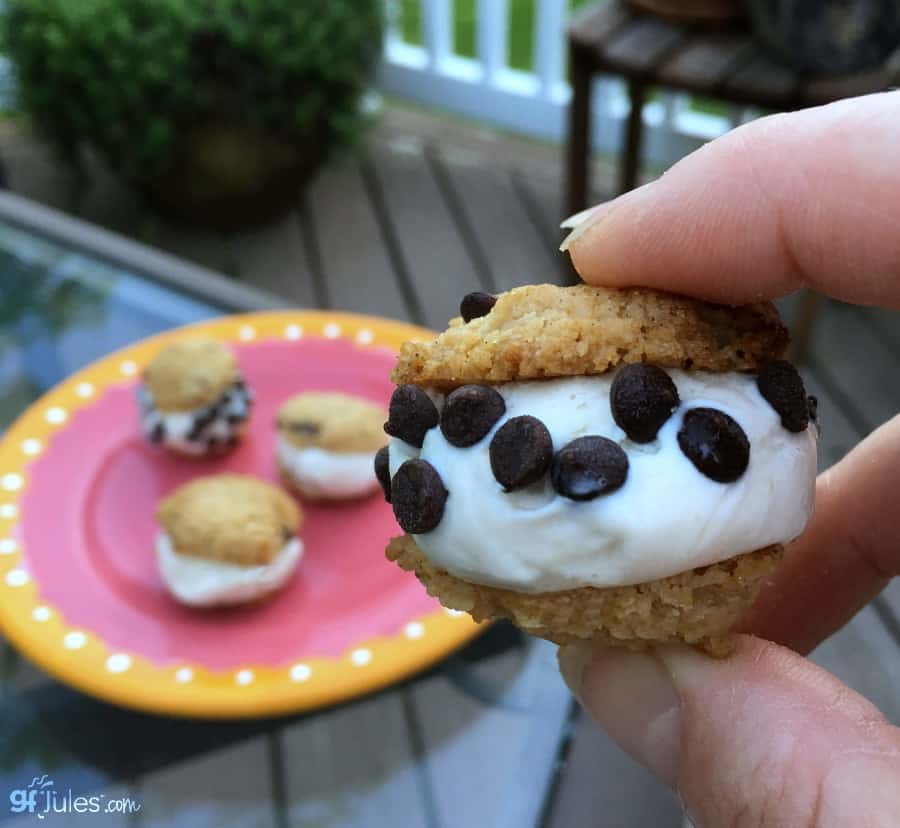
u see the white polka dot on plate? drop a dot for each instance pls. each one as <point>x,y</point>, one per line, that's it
<point>8,511</point>
<point>300,672</point>
<point>11,482</point>
<point>414,630</point>
<point>74,640</point>
<point>128,367</point>
<point>41,614</point>
<point>453,612</point>
<point>55,415</point>
<point>332,330</point>
<point>16,577</point>
<point>183,675</point>
<point>8,546</point>
<point>293,332</point>
<point>84,390</point>
<point>361,657</point>
<point>365,337</point>
<point>244,677</point>
<point>247,332</point>
<point>31,446</point>
<point>118,663</point>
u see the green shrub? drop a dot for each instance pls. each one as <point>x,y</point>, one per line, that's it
<point>130,76</point>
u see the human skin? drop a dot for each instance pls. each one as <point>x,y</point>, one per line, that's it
<point>765,737</point>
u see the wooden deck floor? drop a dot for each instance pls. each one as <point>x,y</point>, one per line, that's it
<point>434,210</point>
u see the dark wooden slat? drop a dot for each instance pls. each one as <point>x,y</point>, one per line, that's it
<point>515,253</point>
<point>704,63</point>
<point>591,26</point>
<point>358,272</point>
<point>825,90</point>
<point>639,47</point>
<point>439,266</point>
<point>762,82</point>
<point>274,258</point>
<point>203,247</point>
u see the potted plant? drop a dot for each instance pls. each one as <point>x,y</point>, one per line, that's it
<point>827,36</point>
<point>218,110</point>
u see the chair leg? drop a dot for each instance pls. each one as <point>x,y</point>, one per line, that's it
<point>630,164</point>
<point>804,323</point>
<point>578,144</point>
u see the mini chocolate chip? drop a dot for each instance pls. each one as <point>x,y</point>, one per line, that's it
<point>475,305</point>
<point>521,452</point>
<point>715,444</point>
<point>589,467</point>
<point>213,444</point>
<point>157,434</point>
<point>642,398</point>
<point>418,497</point>
<point>812,407</point>
<point>411,414</point>
<point>383,471</point>
<point>782,386</point>
<point>306,427</point>
<point>201,421</point>
<point>287,534</point>
<point>237,417</point>
<point>469,413</point>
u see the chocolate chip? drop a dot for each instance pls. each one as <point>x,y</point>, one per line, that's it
<point>475,305</point>
<point>782,387</point>
<point>715,444</point>
<point>589,467</point>
<point>157,434</point>
<point>411,414</point>
<point>213,444</point>
<point>418,497</point>
<point>469,413</point>
<point>812,408</point>
<point>521,452</point>
<point>383,471</point>
<point>642,398</point>
<point>237,417</point>
<point>201,421</point>
<point>287,534</point>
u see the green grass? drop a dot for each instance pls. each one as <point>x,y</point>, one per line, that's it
<point>520,46</point>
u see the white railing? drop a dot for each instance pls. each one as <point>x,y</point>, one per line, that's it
<point>535,102</point>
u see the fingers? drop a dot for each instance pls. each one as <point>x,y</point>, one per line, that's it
<point>847,554</point>
<point>761,738</point>
<point>803,199</point>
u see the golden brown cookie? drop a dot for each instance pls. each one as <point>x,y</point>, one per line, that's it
<point>332,421</point>
<point>190,374</point>
<point>542,331</point>
<point>698,607</point>
<point>231,518</point>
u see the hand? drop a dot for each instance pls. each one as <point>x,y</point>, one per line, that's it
<point>765,737</point>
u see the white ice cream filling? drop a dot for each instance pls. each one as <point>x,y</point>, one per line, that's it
<point>201,582</point>
<point>666,518</point>
<point>321,473</point>
<point>199,430</point>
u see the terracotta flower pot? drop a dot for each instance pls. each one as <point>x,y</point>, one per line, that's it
<point>694,11</point>
<point>226,176</point>
<point>827,36</point>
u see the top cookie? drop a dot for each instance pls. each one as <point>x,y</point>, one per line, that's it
<point>332,421</point>
<point>190,374</point>
<point>230,518</point>
<point>542,331</point>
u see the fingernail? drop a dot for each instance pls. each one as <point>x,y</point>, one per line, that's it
<point>581,221</point>
<point>631,696</point>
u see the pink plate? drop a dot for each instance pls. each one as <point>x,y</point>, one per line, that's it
<point>86,533</point>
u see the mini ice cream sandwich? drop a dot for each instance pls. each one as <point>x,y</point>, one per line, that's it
<point>193,400</point>
<point>326,444</point>
<point>623,466</point>
<point>227,539</point>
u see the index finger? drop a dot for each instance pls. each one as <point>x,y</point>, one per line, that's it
<point>808,199</point>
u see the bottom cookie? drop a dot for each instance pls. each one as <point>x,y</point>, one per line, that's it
<point>697,607</point>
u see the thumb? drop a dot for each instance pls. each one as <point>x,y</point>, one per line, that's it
<point>763,737</point>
